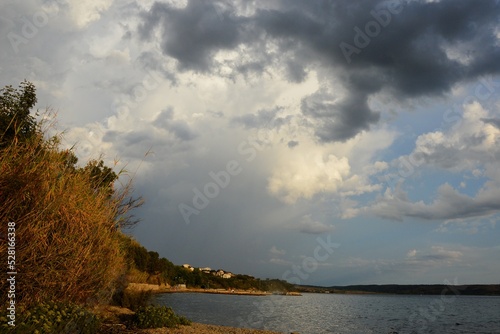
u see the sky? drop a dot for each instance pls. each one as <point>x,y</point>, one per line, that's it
<point>321,142</point>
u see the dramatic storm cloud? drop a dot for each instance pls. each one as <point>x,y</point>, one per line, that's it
<point>257,131</point>
<point>404,49</point>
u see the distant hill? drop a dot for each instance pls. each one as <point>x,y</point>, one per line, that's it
<point>421,289</point>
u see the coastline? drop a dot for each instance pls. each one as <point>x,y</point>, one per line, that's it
<point>218,291</point>
<point>154,288</point>
<point>197,328</point>
<point>115,322</point>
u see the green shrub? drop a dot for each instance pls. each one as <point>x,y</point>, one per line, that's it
<point>133,299</point>
<point>157,317</point>
<point>61,318</point>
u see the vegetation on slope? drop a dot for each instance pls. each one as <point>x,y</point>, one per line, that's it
<point>70,251</point>
<point>68,248</point>
<point>66,217</point>
<point>147,267</point>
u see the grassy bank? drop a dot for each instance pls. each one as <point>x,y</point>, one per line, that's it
<point>62,222</point>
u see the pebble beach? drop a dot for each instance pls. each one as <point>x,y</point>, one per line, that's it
<point>115,326</point>
<point>206,329</point>
<point>194,328</point>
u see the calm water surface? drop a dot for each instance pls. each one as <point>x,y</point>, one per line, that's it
<point>332,313</point>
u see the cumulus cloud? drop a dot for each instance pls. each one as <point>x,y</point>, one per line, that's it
<point>303,178</point>
<point>413,49</point>
<point>336,171</point>
<point>471,143</point>
<point>338,120</point>
<point>233,70</point>
<point>85,12</point>
<point>448,204</point>
<point>193,34</point>
<point>470,146</point>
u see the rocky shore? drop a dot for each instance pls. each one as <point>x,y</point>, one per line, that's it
<point>206,329</point>
<point>115,319</point>
<point>168,289</point>
<point>194,328</point>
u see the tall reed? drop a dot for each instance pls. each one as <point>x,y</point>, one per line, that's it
<point>67,229</point>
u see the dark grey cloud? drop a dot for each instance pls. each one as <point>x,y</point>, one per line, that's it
<point>338,120</point>
<point>403,48</point>
<point>296,72</point>
<point>193,34</point>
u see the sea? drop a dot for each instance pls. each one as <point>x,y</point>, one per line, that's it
<point>341,313</point>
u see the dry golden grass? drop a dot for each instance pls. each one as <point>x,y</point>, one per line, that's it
<point>67,238</point>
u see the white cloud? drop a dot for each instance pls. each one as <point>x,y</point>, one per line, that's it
<point>308,175</point>
<point>310,226</point>
<point>471,146</point>
<point>449,204</point>
<point>85,12</point>
<point>412,253</point>
<point>473,141</point>
<point>112,89</point>
<point>340,169</point>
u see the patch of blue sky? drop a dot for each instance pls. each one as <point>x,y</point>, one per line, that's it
<point>425,182</point>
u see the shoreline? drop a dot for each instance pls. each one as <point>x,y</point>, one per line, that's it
<point>115,322</point>
<point>156,289</point>
<point>218,292</point>
<point>197,328</point>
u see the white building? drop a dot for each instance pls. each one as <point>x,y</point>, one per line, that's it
<point>188,267</point>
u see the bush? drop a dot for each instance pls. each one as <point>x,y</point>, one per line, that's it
<point>67,218</point>
<point>65,230</point>
<point>157,317</point>
<point>61,318</point>
<point>133,299</point>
